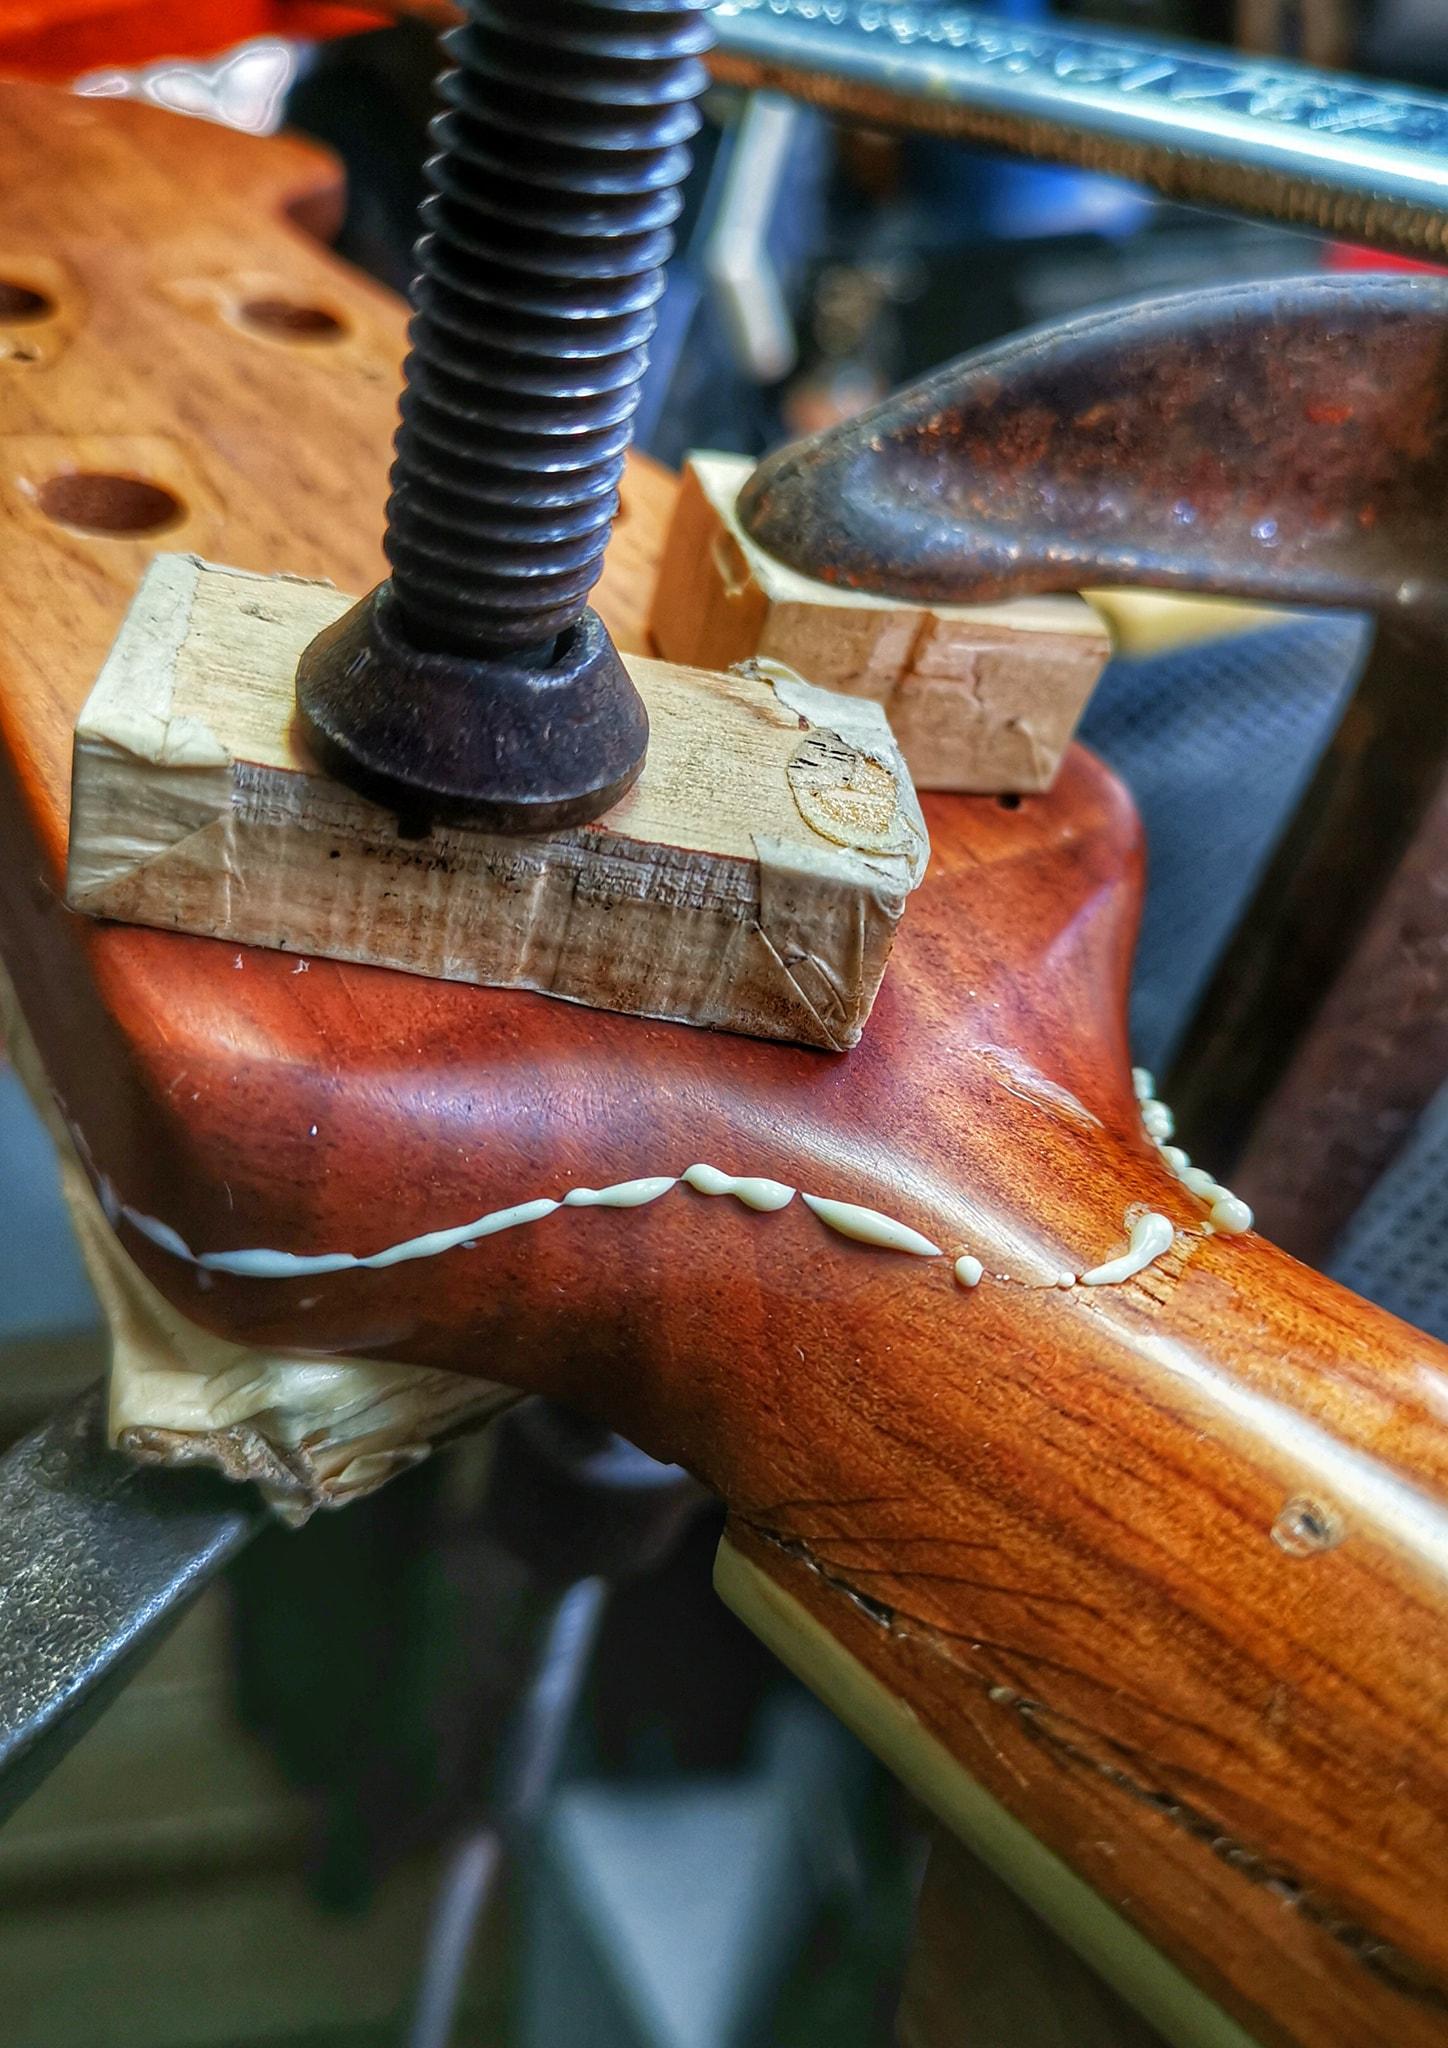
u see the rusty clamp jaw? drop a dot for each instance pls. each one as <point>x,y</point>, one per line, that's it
<point>1280,441</point>
<point>1285,441</point>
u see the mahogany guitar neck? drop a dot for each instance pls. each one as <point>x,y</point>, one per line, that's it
<point>1125,1541</point>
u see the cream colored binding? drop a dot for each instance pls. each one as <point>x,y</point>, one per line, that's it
<point>1098,1934</point>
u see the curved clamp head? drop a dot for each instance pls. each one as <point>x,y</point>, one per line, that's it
<point>1285,440</point>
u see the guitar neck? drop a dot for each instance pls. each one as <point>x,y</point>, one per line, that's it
<point>1148,1614</point>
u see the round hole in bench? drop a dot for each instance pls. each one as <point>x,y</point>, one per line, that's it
<point>100,503</point>
<point>22,302</point>
<point>291,319</point>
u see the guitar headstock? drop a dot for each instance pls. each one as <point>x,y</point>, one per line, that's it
<point>1052,1521</point>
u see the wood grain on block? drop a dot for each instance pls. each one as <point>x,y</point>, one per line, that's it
<point>751,880</point>
<point>982,698</point>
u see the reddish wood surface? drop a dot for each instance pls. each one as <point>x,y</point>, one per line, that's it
<point>1044,1517</point>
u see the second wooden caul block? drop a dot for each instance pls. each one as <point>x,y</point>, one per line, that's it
<point>982,698</point>
<point>752,878</point>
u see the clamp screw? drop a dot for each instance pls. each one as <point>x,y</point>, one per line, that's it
<point>477,683</point>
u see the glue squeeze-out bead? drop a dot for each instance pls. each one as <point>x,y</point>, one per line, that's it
<point>1226,1213</point>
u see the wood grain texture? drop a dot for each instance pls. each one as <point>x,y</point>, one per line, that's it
<point>1044,1884</point>
<point>982,698</point>
<point>751,879</point>
<point>1043,1517</point>
<point>152,240</point>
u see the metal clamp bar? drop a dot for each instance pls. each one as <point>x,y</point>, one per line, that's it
<point>97,1559</point>
<point>1277,140</point>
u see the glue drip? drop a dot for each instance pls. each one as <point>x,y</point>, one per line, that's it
<point>1149,1236</point>
<point>1227,1213</point>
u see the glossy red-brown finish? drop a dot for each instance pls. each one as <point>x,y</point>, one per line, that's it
<point>1045,1517</point>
